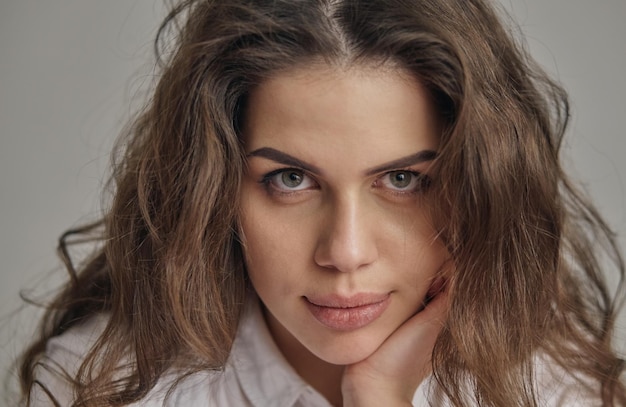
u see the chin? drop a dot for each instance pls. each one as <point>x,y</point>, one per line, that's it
<point>346,352</point>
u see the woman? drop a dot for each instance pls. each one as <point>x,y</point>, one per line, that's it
<point>339,202</point>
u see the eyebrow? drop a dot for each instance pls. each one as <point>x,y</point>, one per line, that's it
<point>286,159</point>
<point>409,160</point>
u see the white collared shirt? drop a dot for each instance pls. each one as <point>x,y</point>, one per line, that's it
<point>256,374</point>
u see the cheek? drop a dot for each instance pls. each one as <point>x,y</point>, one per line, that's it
<point>417,255</point>
<point>411,237</point>
<point>274,246</point>
<point>262,253</point>
<point>272,231</point>
<point>261,242</point>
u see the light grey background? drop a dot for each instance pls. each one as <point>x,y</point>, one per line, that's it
<point>71,71</point>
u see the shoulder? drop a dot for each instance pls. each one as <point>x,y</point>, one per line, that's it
<point>558,387</point>
<point>555,387</point>
<point>65,354</point>
<point>198,389</point>
<point>61,361</point>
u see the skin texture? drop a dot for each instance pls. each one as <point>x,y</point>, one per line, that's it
<point>343,218</point>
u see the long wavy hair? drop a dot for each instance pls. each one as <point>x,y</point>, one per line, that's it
<point>527,247</point>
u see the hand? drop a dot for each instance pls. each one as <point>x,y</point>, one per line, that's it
<point>391,375</point>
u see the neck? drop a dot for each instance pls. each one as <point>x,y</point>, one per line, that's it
<point>322,376</point>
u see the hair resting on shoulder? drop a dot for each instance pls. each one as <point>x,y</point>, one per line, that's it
<point>525,245</point>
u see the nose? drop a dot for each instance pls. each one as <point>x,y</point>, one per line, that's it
<point>347,241</point>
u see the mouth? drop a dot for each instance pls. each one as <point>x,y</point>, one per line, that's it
<point>347,313</point>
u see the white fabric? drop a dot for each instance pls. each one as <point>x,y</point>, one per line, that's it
<point>256,374</point>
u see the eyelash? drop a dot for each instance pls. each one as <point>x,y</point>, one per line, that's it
<point>422,180</point>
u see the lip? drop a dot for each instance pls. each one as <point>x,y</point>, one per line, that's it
<point>347,313</point>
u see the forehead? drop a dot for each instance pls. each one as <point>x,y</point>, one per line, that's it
<point>366,110</point>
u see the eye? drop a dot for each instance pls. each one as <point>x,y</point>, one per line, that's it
<point>288,180</point>
<point>404,181</point>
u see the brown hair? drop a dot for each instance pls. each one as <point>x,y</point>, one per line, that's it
<point>527,276</point>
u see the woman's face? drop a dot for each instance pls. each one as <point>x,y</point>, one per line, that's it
<point>337,242</point>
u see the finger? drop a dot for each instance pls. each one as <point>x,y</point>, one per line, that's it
<point>417,335</point>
